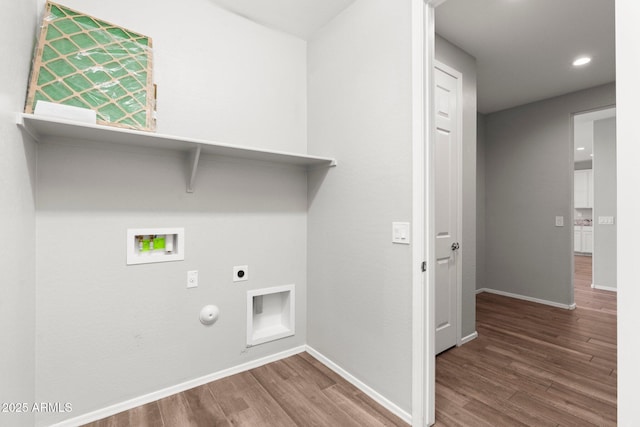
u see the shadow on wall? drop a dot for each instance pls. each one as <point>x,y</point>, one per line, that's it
<point>30,147</point>
<point>314,182</point>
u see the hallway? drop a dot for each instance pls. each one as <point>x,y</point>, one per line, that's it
<point>533,364</point>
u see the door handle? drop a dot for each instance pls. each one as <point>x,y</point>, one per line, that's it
<point>455,246</point>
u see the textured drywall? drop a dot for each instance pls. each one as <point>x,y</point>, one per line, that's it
<point>359,307</point>
<point>605,203</point>
<point>529,175</point>
<point>108,332</point>
<point>459,60</point>
<point>17,216</point>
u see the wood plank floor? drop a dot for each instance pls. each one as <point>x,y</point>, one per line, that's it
<point>531,365</point>
<point>534,365</point>
<point>296,391</point>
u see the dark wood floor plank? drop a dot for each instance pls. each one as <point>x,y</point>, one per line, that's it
<point>591,409</point>
<point>311,406</point>
<point>559,365</point>
<point>145,416</point>
<point>305,388</point>
<point>548,410</point>
<point>503,375</point>
<point>488,412</point>
<point>472,385</point>
<point>450,414</point>
<point>205,410</point>
<point>302,366</point>
<point>246,403</point>
<point>356,411</point>
<point>175,411</point>
<point>322,368</point>
<point>372,407</point>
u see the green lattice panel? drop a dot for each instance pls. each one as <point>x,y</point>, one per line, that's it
<point>87,62</point>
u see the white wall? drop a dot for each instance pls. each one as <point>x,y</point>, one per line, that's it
<point>529,173</point>
<point>360,284</point>
<point>107,332</point>
<point>219,76</point>
<point>17,216</point>
<point>628,153</point>
<point>464,63</point>
<point>604,194</point>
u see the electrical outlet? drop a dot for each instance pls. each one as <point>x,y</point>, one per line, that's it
<point>192,279</point>
<point>240,273</point>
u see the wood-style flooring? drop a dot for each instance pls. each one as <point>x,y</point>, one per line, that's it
<point>534,365</point>
<point>531,365</point>
<point>296,391</point>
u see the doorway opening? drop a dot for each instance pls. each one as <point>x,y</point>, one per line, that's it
<point>521,275</point>
<point>594,202</point>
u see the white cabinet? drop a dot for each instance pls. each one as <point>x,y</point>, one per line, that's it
<point>583,188</point>
<point>587,240</point>
<point>583,239</point>
<point>577,238</point>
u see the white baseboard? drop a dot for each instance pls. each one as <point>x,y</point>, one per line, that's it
<point>526,298</point>
<point>604,288</point>
<point>469,337</point>
<point>404,415</point>
<point>160,394</point>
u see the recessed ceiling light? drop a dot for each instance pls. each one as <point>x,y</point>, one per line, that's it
<point>583,60</point>
<point>591,154</point>
<point>580,148</point>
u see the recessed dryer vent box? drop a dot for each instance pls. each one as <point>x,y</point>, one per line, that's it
<point>147,245</point>
<point>270,314</point>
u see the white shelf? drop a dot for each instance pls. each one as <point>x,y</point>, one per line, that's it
<point>45,128</point>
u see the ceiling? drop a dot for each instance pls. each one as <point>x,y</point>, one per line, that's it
<point>524,48</point>
<point>298,17</point>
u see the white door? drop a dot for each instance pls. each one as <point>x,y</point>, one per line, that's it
<point>447,163</point>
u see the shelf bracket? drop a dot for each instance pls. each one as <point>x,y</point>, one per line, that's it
<point>193,162</point>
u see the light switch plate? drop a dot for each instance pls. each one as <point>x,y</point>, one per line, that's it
<point>605,220</point>
<point>192,279</point>
<point>559,221</point>
<point>401,233</point>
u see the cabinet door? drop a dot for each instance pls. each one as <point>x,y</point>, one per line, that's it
<point>577,240</point>
<point>580,189</point>
<point>587,242</point>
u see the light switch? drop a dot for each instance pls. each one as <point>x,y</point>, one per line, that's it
<point>192,279</point>
<point>605,220</point>
<point>559,221</point>
<point>401,233</point>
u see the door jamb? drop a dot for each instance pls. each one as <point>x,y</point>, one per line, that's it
<point>423,346</point>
